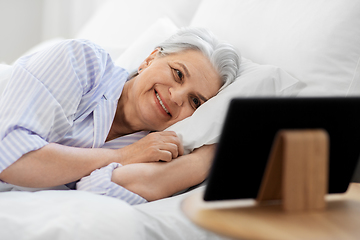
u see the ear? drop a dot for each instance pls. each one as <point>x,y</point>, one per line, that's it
<point>147,62</point>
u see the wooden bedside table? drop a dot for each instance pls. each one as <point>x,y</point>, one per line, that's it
<point>340,219</point>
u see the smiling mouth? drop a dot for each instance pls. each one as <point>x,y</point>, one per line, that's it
<point>162,104</point>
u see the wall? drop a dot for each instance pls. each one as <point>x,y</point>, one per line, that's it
<point>20,27</point>
<point>25,23</point>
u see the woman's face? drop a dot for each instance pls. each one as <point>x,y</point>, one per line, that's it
<point>170,88</point>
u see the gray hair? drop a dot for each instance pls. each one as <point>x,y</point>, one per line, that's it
<point>223,56</point>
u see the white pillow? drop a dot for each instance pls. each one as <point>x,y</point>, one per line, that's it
<point>118,24</point>
<point>204,126</point>
<point>158,32</point>
<point>317,42</point>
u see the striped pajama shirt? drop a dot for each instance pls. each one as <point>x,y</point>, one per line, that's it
<point>66,94</point>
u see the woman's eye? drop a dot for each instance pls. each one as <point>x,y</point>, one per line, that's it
<point>179,74</point>
<point>196,102</point>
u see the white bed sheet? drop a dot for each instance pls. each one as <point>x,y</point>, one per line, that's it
<point>65,215</point>
<point>83,215</point>
<point>164,219</point>
<point>59,215</point>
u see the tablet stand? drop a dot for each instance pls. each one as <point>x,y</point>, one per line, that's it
<point>296,174</point>
<point>297,170</point>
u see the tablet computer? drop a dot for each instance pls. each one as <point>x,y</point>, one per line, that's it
<point>250,128</point>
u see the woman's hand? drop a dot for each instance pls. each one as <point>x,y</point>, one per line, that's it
<point>55,164</point>
<point>155,147</point>
<point>157,180</point>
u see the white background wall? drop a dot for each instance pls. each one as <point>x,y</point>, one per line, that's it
<point>24,23</point>
<point>20,27</point>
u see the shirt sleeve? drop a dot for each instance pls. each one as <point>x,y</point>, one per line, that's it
<point>99,182</point>
<point>46,93</point>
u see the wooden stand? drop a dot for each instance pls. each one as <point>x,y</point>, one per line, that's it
<point>296,174</point>
<point>248,220</point>
<point>297,170</point>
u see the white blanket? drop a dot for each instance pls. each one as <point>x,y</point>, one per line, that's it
<point>58,215</point>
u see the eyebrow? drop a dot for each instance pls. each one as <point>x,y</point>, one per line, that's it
<point>202,97</point>
<point>187,74</point>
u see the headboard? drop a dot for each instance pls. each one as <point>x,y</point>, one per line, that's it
<point>316,41</point>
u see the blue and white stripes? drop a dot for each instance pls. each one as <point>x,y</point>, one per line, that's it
<point>54,95</point>
<point>125,140</point>
<point>66,94</point>
<point>99,182</point>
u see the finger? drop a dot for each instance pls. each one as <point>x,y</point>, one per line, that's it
<point>165,156</point>
<point>172,148</point>
<point>169,147</point>
<point>171,137</point>
<point>181,149</point>
<point>168,133</point>
<point>179,145</point>
<point>168,137</point>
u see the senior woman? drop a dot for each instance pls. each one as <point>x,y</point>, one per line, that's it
<point>62,105</point>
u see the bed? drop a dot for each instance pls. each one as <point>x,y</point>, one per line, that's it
<point>288,48</point>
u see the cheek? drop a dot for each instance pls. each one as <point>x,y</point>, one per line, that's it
<point>141,86</point>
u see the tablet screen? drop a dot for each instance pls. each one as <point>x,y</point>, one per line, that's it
<point>249,131</point>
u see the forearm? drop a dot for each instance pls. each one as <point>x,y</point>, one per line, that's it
<point>158,180</point>
<point>55,165</point>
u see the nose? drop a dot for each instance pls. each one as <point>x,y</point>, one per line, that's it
<point>177,95</point>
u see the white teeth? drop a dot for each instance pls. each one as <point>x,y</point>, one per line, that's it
<point>161,103</point>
